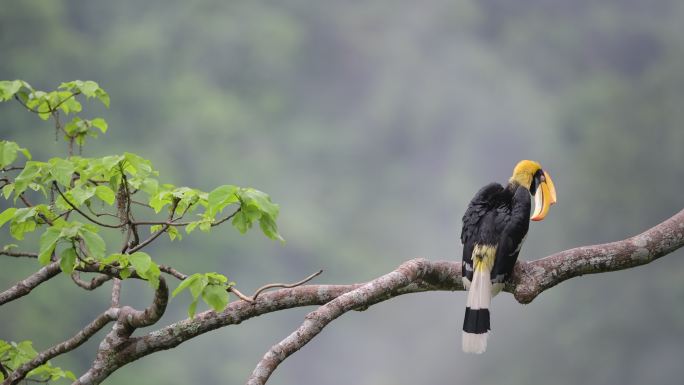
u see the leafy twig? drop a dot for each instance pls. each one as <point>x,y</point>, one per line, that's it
<point>86,216</point>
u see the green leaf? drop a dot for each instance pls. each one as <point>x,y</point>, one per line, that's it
<point>269,227</point>
<point>67,260</point>
<point>125,273</point>
<point>150,186</point>
<point>88,88</point>
<point>152,275</point>
<point>7,215</point>
<point>145,268</point>
<point>205,225</point>
<point>185,284</point>
<point>260,200</point>
<point>221,197</point>
<point>174,233</point>
<point>100,123</point>
<point>62,171</point>
<point>216,278</point>
<point>26,152</point>
<point>241,222</point>
<point>215,296</point>
<point>26,348</point>
<point>30,171</point>
<point>8,88</point>
<point>198,286</point>
<point>158,201</point>
<point>48,241</point>
<point>192,308</point>
<point>8,153</point>
<point>95,244</point>
<point>18,229</point>
<point>79,195</point>
<point>7,190</point>
<point>191,226</point>
<point>103,96</point>
<point>71,230</point>
<point>105,193</point>
<point>140,261</point>
<point>24,214</point>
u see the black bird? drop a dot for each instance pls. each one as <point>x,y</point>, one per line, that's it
<point>494,228</point>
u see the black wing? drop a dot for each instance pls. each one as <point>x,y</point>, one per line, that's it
<point>517,220</point>
<point>479,206</point>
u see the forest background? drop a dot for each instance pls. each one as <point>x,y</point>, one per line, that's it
<point>372,124</point>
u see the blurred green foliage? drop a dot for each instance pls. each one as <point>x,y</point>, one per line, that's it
<point>372,124</point>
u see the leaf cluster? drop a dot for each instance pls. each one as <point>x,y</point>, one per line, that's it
<point>80,198</point>
<point>13,355</point>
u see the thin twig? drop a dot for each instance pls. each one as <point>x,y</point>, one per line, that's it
<point>173,272</point>
<point>12,168</point>
<point>285,285</point>
<point>101,214</point>
<point>141,203</point>
<point>148,240</point>
<point>181,224</point>
<point>158,232</point>
<point>240,295</point>
<point>29,108</point>
<point>19,254</point>
<point>84,214</point>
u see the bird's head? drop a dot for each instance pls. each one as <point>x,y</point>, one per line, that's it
<point>529,174</point>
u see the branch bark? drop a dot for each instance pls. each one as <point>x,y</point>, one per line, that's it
<point>94,282</point>
<point>530,278</point>
<point>25,286</point>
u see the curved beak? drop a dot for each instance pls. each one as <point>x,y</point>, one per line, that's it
<point>544,198</point>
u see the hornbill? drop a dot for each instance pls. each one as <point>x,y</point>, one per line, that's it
<point>494,228</point>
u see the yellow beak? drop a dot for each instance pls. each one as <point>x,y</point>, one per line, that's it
<point>544,198</point>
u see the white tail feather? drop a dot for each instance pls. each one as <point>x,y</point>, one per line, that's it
<point>475,343</point>
<point>480,293</point>
<point>479,298</point>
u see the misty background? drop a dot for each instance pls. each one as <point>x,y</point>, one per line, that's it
<point>372,124</point>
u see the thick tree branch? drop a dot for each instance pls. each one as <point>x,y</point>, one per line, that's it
<point>25,286</point>
<point>152,313</point>
<point>532,278</point>
<point>116,293</point>
<point>72,343</point>
<point>529,280</point>
<point>106,360</point>
<point>374,291</point>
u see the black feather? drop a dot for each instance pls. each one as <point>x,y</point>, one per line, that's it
<point>498,217</point>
